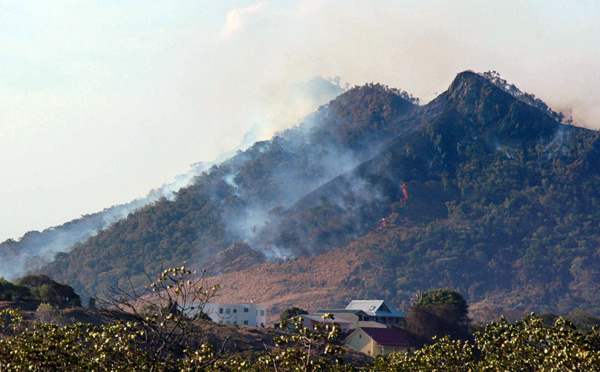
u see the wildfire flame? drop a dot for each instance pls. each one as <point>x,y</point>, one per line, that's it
<point>404,191</point>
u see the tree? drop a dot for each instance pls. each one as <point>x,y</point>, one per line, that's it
<point>306,350</point>
<point>78,347</point>
<point>291,312</point>
<point>167,314</point>
<point>445,302</point>
<point>527,345</point>
<point>13,292</point>
<point>47,313</point>
<point>49,291</point>
<point>438,313</point>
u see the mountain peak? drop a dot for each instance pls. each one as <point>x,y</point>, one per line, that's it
<point>497,111</point>
<point>471,87</point>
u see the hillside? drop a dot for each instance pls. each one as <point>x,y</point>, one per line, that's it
<point>237,200</point>
<point>483,190</point>
<point>36,248</point>
<point>501,205</point>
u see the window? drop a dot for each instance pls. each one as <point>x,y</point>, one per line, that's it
<point>234,311</point>
<point>228,311</point>
<point>262,313</point>
<point>262,325</point>
<point>245,309</point>
<point>220,310</point>
<point>245,322</point>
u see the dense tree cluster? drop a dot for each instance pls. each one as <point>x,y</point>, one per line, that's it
<point>523,346</point>
<point>39,288</point>
<point>287,314</point>
<point>438,313</point>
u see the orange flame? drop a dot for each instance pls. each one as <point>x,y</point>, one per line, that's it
<point>404,191</point>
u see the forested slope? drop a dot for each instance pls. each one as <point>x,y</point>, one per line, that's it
<point>482,190</point>
<point>241,198</point>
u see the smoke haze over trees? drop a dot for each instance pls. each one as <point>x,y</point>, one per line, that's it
<point>37,248</point>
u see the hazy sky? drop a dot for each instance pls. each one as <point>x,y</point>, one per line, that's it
<point>101,101</point>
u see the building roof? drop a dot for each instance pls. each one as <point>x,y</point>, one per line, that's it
<point>340,311</point>
<point>371,324</point>
<point>319,318</point>
<point>224,304</point>
<point>375,308</point>
<point>386,336</point>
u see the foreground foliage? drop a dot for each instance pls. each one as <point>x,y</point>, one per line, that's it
<point>161,329</point>
<point>168,315</point>
<point>523,346</point>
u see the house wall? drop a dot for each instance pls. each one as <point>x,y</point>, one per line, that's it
<point>360,341</point>
<point>251,315</point>
<point>384,350</point>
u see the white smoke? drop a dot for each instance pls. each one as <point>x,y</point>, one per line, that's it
<point>35,249</point>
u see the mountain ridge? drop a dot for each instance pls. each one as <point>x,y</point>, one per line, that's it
<point>478,190</point>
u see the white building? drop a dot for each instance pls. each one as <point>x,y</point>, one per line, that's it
<point>241,314</point>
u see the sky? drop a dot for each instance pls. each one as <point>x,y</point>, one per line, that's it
<point>102,101</point>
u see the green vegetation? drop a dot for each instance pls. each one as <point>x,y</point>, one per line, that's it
<point>13,292</point>
<point>287,314</point>
<point>523,346</point>
<point>437,313</point>
<point>164,312</point>
<point>46,313</point>
<point>39,288</point>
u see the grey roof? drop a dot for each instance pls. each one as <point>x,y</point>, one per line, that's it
<point>375,308</point>
<point>371,324</point>
<point>319,318</point>
<point>340,311</point>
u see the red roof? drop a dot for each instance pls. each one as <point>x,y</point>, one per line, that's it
<point>386,336</point>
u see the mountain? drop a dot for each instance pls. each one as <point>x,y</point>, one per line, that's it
<point>483,190</point>
<point>37,248</point>
<point>236,200</point>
